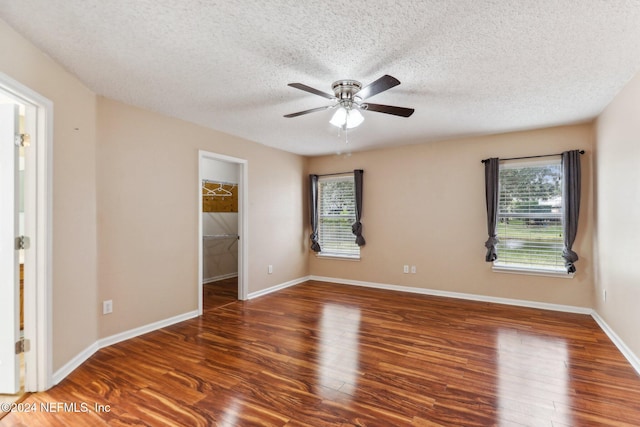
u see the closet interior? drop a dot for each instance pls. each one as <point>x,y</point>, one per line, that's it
<point>220,234</point>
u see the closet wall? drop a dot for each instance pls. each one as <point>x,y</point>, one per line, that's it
<point>219,220</point>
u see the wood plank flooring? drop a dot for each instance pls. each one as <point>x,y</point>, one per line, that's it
<point>322,354</point>
<point>220,293</point>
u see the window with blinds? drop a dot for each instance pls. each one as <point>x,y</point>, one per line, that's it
<point>337,212</point>
<point>530,216</point>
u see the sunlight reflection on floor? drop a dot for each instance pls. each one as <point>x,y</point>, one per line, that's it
<point>339,354</point>
<point>533,367</point>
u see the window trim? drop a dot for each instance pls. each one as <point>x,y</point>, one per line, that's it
<point>343,257</point>
<point>323,254</point>
<point>513,269</point>
<point>496,266</point>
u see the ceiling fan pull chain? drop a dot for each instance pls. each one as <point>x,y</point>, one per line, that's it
<point>344,129</point>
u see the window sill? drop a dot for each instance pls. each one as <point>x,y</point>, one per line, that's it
<point>532,271</point>
<point>338,256</point>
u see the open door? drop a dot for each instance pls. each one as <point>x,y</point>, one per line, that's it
<point>9,259</point>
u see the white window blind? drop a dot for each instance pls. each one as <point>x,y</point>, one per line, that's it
<point>530,216</point>
<point>337,212</point>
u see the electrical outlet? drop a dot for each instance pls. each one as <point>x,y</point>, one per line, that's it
<point>413,269</point>
<point>405,269</point>
<point>107,306</point>
<point>270,269</point>
<point>604,295</point>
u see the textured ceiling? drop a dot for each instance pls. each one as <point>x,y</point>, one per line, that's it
<point>468,67</point>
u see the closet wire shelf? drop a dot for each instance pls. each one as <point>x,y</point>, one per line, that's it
<point>220,236</point>
<point>235,238</point>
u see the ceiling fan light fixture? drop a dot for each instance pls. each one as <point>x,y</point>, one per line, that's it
<point>346,118</point>
<point>354,118</point>
<point>339,117</point>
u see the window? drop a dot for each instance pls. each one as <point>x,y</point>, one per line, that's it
<point>337,212</point>
<point>529,219</point>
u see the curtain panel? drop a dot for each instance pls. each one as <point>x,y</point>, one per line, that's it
<point>313,211</point>
<point>356,228</point>
<point>571,185</point>
<point>491,184</point>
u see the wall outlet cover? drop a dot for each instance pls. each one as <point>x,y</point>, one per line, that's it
<point>107,307</point>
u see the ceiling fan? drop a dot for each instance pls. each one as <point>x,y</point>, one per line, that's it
<point>349,97</point>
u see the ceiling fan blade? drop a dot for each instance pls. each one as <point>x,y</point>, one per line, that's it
<point>383,83</point>
<point>311,90</point>
<point>313,110</point>
<point>390,109</point>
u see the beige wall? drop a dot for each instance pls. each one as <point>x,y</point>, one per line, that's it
<point>617,193</point>
<point>74,206</point>
<point>148,163</point>
<point>424,205</point>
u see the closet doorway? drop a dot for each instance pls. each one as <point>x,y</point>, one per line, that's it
<point>222,224</point>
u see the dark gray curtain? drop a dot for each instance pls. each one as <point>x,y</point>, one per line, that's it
<point>491,174</point>
<point>356,228</point>
<point>313,211</point>
<point>571,205</point>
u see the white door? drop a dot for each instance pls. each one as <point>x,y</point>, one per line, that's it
<point>9,261</point>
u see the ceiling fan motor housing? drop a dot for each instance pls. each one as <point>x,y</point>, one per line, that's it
<point>346,89</point>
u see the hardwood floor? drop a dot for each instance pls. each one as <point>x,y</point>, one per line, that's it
<point>220,293</point>
<point>324,354</point>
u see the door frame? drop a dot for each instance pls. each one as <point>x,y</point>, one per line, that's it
<point>38,226</point>
<point>243,223</point>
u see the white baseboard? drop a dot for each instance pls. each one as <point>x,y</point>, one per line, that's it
<point>81,357</point>
<point>218,278</point>
<point>132,333</point>
<point>459,295</point>
<point>275,288</point>
<point>71,365</point>
<point>624,349</point>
